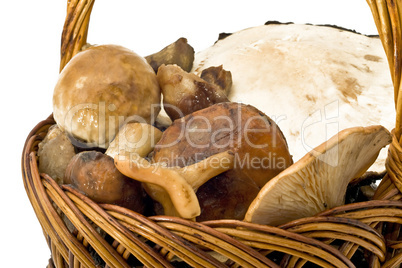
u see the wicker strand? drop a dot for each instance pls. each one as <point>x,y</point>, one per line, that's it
<point>158,235</point>
<point>387,17</point>
<point>394,163</point>
<point>75,29</point>
<point>279,239</point>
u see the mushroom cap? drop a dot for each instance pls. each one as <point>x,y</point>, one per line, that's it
<point>101,88</point>
<point>318,181</point>
<point>313,81</point>
<point>260,148</point>
<point>95,174</point>
<point>54,153</point>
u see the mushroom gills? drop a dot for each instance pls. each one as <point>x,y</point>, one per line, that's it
<point>318,181</point>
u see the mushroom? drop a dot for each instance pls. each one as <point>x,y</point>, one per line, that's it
<point>260,153</point>
<point>100,89</point>
<point>174,188</point>
<point>54,153</point>
<point>219,77</point>
<point>260,148</point>
<point>95,174</point>
<point>179,52</point>
<point>318,181</point>
<point>313,81</point>
<point>134,138</point>
<point>226,196</point>
<point>184,93</point>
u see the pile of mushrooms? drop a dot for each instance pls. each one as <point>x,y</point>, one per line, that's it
<point>219,147</point>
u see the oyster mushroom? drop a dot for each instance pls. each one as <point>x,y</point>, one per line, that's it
<point>100,89</point>
<point>318,181</point>
<point>313,81</point>
<point>174,188</point>
<point>134,138</point>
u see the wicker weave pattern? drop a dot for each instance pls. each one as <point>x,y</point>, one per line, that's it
<point>82,233</point>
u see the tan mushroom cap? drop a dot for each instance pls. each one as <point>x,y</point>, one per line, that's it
<point>318,181</point>
<point>100,89</point>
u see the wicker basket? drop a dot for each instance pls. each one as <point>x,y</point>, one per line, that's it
<point>340,237</point>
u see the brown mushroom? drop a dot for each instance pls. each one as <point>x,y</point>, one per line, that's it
<point>179,52</point>
<point>260,153</point>
<point>184,93</point>
<point>54,153</point>
<point>219,77</point>
<point>318,181</point>
<point>100,89</point>
<point>259,146</point>
<point>95,174</point>
<point>226,196</point>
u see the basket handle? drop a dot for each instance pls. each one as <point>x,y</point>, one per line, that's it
<point>387,16</point>
<point>75,29</point>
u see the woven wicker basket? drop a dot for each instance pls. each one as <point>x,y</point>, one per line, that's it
<point>340,237</point>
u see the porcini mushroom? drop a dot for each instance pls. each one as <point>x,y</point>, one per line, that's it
<point>134,138</point>
<point>100,89</point>
<point>312,80</point>
<point>174,188</point>
<point>318,181</point>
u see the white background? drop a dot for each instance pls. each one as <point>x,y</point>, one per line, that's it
<point>30,41</point>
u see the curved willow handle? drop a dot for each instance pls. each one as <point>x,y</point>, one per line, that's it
<point>387,15</point>
<point>75,29</point>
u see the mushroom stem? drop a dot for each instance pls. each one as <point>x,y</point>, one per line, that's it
<point>174,188</point>
<point>160,195</point>
<point>180,192</point>
<point>199,173</point>
<point>134,138</point>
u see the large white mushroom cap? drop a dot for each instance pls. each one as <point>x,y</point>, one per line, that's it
<point>312,80</point>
